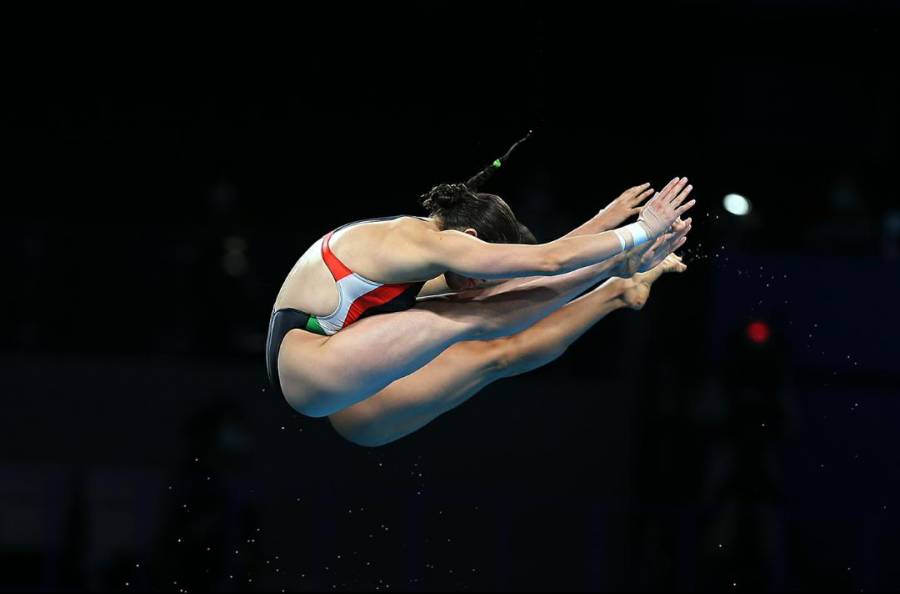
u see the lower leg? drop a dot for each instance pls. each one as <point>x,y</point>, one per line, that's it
<point>626,264</point>
<point>464,369</point>
<point>339,371</point>
<point>548,340</point>
<point>511,307</point>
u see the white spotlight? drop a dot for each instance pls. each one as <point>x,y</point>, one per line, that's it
<point>736,204</point>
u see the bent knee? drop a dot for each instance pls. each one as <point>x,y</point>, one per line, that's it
<point>311,398</point>
<point>313,385</point>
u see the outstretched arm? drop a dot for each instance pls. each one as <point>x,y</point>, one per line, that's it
<point>546,340</point>
<point>626,264</point>
<point>424,253</point>
<point>626,205</point>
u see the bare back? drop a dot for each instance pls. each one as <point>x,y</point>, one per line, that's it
<point>309,285</point>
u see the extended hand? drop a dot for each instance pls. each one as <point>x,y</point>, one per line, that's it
<point>665,245</point>
<point>662,210</point>
<point>624,207</point>
<point>646,256</point>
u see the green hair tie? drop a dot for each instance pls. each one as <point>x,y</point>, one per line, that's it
<point>497,163</point>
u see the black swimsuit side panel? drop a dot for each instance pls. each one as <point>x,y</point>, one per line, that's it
<point>281,322</point>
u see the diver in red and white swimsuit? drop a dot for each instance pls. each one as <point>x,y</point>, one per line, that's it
<point>425,308</point>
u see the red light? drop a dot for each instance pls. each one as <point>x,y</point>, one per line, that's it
<point>758,332</point>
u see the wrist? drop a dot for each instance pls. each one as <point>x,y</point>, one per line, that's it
<point>640,233</point>
<point>632,235</point>
<point>619,266</point>
<point>601,221</point>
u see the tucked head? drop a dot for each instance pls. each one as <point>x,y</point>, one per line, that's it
<point>462,207</point>
<point>485,216</point>
<point>455,206</point>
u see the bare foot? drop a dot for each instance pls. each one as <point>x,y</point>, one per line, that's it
<point>638,286</point>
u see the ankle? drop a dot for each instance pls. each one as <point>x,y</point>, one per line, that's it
<point>622,284</point>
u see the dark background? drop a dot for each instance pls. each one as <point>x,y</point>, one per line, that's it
<point>162,172</point>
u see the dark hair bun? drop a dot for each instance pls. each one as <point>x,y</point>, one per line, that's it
<point>444,197</point>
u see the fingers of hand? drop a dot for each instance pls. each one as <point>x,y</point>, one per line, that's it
<point>668,188</point>
<point>642,196</point>
<point>675,239</point>
<point>685,207</point>
<point>683,230</point>
<point>634,191</point>
<point>656,198</point>
<point>679,192</point>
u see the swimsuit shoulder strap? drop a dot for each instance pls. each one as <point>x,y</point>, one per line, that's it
<point>337,268</point>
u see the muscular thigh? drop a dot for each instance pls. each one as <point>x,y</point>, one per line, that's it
<point>320,373</point>
<point>411,401</point>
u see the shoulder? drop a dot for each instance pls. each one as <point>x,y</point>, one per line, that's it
<point>413,227</point>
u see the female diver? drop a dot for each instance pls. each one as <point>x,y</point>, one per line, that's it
<point>382,325</point>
